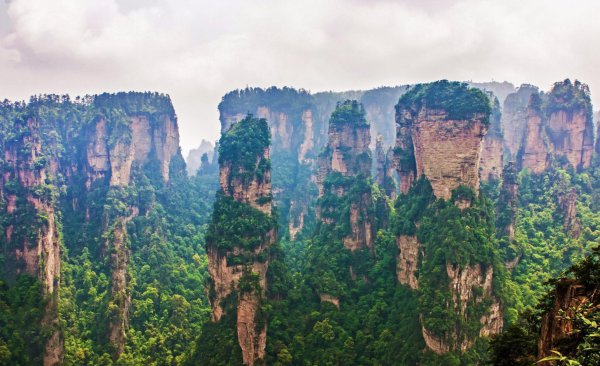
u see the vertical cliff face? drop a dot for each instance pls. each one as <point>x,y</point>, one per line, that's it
<point>514,119</point>
<point>446,143</point>
<point>558,127</point>
<point>557,324</point>
<point>65,168</point>
<point>570,126</point>
<point>384,168</point>
<point>491,164</point>
<point>568,205</point>
<point>238,262</point>
<point>445,124</point>
<point>31,232</point>
<point>114,146</point>
<point>346,161</point>
<point>534,151</point>
<point>407,262</point>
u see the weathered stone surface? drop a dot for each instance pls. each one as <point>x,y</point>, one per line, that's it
<point>330,299</point>
<point>308,141</point>
<point>557,324</point>
<point>447,152</point>
<point>514,119</point>
<point>407,262</point>
<point>37,253</point>
<point>568,205</point>
<point>255,192</point>
<point>159,140</point>
<point>97,152</point>
<point>462,283</point>
<point>384,168</point>
<point>571,134</point>
<point>120,294</point>
<point>347,152</point>
<point>534,153</point>
<point>491,158</point>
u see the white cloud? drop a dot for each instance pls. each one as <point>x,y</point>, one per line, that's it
<point>198,50</point>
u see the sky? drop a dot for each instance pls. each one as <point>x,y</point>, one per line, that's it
<point>196,51</point>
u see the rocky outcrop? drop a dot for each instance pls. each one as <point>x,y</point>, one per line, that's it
<point>568,205</point>
<point>308,141</point>
<point>508,204</point>
<point>571,133</point>
<point>32,232</point>
<point>514,119</point>
<point>330,299</point>
<point>463,281</point>
<point>118,252</point>
<point>557,324</point>
<point>145,138</point>
<point>490,166</point>
<point>384,168</point>
<point>447,152</point>
<point>559,127</point>
<point>534,153</point>
<point>234,268</point>
<point>437,141</point>
<point>407,262</point>
<point>347,155</point>
<point>491,158</point>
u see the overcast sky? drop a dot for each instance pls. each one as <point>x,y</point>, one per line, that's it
<point>198,50</point>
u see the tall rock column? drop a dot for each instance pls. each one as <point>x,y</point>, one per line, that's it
<point>31,231</point>
<point>491,163</point>
<point>534,152</point>
<point>570,125</point>
<point>452,274</point>
<point>241,234</point>
<point>344,167</point>
<point>514,119</point>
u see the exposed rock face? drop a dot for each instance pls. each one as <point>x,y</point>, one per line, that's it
<point>447,152</point>
<point>59,155</point>
<point>443,144</point>
<point>568,206</point>
<point>491,158</point>
<point>514,118</point>
<point>534,153</point>
<point>97,152</point>
<point>120,294</point>
<point>407,263</point>
<point>35,248</point>
<point>491,164</point>
<point>330,299</point>
<point>296,221</point>
<point>559,127</point>
<point>462,283</point>
<point>157,138</point>
<point>508,204</point>
<point>571,134</point>
<point>348,154</point>
<point>253,188</point>
<point>384,169</point>
<point>308,141</point>
<point>557,324</point>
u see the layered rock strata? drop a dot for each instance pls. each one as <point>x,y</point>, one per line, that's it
<point>242,270</point>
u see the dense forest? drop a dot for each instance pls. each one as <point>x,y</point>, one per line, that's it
<point>282,249</point>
